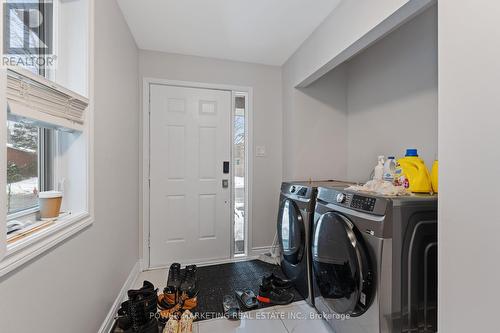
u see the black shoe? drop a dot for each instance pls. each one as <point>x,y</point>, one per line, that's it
<point>148,295</point>
<point>269,295</point>
<point>277,282</point>
<point>132,317</point>
<point>188,284</point>
<point>174,277</point>
<point>137,314</point>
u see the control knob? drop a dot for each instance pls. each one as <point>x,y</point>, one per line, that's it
<point>341,198</point>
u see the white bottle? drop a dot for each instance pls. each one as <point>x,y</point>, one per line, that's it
<point>389,169</point>
<point>379,169</point>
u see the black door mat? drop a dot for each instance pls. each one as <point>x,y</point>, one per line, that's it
<point>218,280</point>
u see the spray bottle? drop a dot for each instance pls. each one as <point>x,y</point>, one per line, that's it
<point>379,169</point>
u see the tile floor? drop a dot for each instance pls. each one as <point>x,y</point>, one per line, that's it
<point>297,317</point>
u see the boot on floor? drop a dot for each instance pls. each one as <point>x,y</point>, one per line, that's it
<point>138,313</point>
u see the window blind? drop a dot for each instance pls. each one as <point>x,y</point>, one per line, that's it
<point>36,98</point>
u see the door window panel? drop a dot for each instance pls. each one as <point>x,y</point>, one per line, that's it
<point>239,163</point>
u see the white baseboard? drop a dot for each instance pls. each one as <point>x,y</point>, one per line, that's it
<point>257,251</point>
<point>129,283</point>
<point>209,262</point>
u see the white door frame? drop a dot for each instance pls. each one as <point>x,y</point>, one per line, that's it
<point>144,176</point>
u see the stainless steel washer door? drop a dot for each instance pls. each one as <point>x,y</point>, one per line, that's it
<point>341,267</point>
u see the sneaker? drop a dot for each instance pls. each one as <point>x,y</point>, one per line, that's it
<point>188,284</point>
<point>277,282</point>
<point>270,295</point>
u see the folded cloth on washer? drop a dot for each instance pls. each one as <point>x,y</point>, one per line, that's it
<point>380,187</point>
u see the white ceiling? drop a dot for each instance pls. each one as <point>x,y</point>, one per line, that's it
<point>258,31</point>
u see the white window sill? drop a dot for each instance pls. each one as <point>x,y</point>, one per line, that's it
<point>27,213</point>
<point>31,246</point>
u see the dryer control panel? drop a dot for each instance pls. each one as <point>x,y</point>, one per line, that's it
<point>298,190</point>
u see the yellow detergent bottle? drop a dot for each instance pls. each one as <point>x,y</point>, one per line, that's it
<point>434,176</point>
<point>416,173</point>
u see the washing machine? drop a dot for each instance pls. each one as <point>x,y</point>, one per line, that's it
<point>374,262</point>
<point>295,217</point>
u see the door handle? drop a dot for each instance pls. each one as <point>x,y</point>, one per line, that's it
<point>225,167</point>
<point>225,183</point>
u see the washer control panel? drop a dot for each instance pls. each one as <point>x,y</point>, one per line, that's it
<point>298,190</point>
<point>363,203</point>
<point>360,202</point>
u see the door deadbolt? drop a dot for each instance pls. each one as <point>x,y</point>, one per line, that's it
<point>225,183</point>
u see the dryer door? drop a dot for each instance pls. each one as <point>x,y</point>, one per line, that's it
<point>341,266</point>
<point>291,232</point>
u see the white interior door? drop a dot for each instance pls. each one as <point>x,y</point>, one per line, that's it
<point>190,138</point>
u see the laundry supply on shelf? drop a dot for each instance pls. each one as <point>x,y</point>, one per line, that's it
<point>380,187</point>
<point>434,176</point>
<point>379,169</point>
<point>389,169</point>
<point>412,173</point>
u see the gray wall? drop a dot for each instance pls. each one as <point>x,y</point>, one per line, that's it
<point>469,157</point>
<point>392,97</point>
<point>349,22</point>
<point>382,101</point>
<point>267,122</point>
<point>315,127</point>
<point>72,287</point>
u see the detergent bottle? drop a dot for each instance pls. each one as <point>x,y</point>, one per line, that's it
<point>414,174</point>
<point>434,176</point>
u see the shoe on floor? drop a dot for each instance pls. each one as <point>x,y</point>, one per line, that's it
<point>174,278</point>
<point>137,314</point>
<point>231,307</point>
<point>188,284</point>
<point>277,282</point>
<point>172,326</point>
<point>247,298</point>
<point>268,294</point>
<point>189,303</point>
<point>167,300</point>
<point>171,292</point>
<point>145,298</point>
<point>166,315</point>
